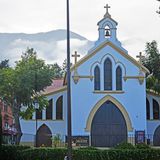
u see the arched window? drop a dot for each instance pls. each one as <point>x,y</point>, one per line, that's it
<point>38,114</point>
<point>155,109</point>
<point>49,110</point>
<point>107,74</point>
<point>59,108</point>
<point>147,109</point>
<point>118,78</point>
<point>96,78</point>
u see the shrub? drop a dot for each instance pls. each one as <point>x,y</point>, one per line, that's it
<point>22,153</point>
<point>88,148</point>
<point>56,140</point>
<point>142,146</point>
<point>0,129</point>
<point>124,146</point>
<point>11,152</point>
<point>43,154</point>
<point>112,154</point>
<point>115,154</point>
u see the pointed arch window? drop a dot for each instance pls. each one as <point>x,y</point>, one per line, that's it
<point>96,78</point>
<point>147,109</point>
<point>107,74</point>
<point>49,110</point>
<point>118,78</point>
<point>155,109</point>
<point>38,114</point>
<point>59,108</point>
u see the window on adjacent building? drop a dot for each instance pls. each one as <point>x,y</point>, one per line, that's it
<point>107,74</point>
<point>96,78</point>
<point>147,109</point>
<point>155,109</point>
<point>6,125</point>
<point>59,108</point>
<point>5,107</point>
<point>118,78</point>
<point>49,110</point>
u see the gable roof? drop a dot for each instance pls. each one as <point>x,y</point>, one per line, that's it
<point>93,52</point>
<point>56,87</point>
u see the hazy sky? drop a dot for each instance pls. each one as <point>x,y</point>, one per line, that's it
<point>137,19</point>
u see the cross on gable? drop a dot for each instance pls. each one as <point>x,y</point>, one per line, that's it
<point>107,8</point>
<point>141,57</point>
<point>75,55</point>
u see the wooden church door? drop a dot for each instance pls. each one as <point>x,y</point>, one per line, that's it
<point>108,126</point>
<point>44,136</point>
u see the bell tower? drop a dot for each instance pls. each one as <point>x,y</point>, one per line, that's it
<point>107,27</point>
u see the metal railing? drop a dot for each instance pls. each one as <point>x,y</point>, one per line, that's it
<point>57,140</point>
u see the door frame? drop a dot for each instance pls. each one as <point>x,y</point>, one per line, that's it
<point>117,104</point>
<point>38,132</point>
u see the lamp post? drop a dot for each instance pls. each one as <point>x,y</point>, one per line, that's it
<point>69,126</point>
<point>36,105</point>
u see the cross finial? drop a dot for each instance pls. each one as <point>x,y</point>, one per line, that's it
<point>141,57</point>
<point>107,10</point>
<point>107,7</point>
<point>75,55</point>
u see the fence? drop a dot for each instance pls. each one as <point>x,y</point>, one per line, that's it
<point>80,140</point>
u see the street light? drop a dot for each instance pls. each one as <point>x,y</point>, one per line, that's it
<point>69,127</point>
<point>36,106</point>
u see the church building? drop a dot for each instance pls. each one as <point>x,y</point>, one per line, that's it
<point>109,101</point>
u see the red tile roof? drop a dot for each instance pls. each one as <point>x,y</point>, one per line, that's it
<point>56,84</point>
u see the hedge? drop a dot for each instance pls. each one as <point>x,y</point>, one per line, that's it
<point>27,153</point>
<point>112,154</point>
<point>43,154</point>
<point>118,155</point>
<point>11,152</point>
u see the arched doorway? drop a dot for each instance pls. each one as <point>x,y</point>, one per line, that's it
<point>156,137</point>
<point>108,126</point>
<point>44,136</point>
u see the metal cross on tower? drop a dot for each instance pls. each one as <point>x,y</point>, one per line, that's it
<point>75,55</point>
<point>141,57</point>
<point>107,8</point>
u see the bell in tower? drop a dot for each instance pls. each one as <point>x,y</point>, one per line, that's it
<point>107,32</point>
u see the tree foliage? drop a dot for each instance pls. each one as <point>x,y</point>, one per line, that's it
<point>4,64</point>
<point>152,62</point>
<point>21,85</point>
<point>158,11</point>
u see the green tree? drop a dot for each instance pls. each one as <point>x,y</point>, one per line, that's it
<point>4,64</point>
<point>152,62</point>
<point>57,71</point>
<point>152,59</point>
<point>20,86</point>
<point>64,67</point>
<point>158,11</point>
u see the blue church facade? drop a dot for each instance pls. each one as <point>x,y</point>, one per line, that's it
<point>109,100</point>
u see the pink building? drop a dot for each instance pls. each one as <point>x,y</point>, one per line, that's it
<point>8,126</point>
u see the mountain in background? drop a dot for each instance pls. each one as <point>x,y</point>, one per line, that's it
<point>50,46</point>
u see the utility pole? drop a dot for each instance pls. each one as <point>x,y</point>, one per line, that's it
<point>69,122</point>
